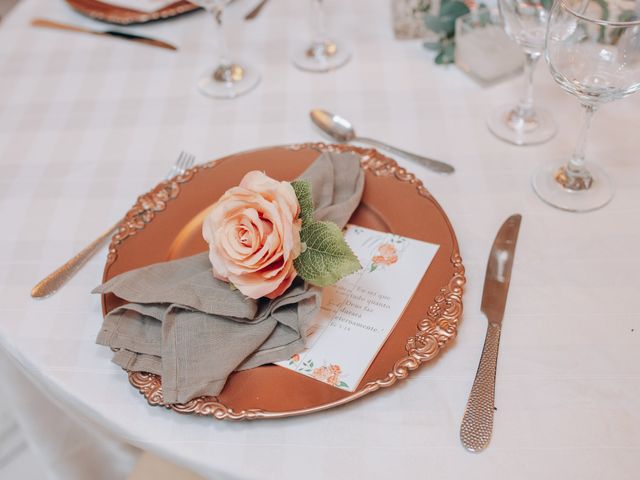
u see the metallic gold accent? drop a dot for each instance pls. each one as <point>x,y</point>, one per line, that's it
<point>45,23</point>
<point>228,74</point>
<point>477,422</point>
<point>434,331</point>
<point>56,279</point>
<point>323,49</point>
<point>573,182</point>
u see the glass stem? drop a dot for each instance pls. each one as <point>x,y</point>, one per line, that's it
<point>525,107</point>
<point>575,175</point>
<point>318,21</point>
<point>576,163</point>
<point>223,50</point>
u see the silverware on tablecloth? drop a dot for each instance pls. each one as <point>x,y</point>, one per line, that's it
<point>54,281</point>
<point>256,11</point>
<point>477,423</point>
<point>340,129</point>
<point>43,22</point>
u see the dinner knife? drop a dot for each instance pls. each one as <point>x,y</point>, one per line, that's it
<point>477,422</point>
<point>43,22</point>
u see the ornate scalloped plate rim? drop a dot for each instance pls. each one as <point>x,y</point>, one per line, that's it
<point>433,332</point>
<point>170,11</point>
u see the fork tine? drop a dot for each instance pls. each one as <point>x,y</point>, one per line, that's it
<point>174,168</point>
<point>177,168</point>
<point>191,158</point>
<point>187,162</point>
<point>181,159</point>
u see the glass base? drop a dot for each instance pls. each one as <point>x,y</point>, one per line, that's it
<point>322,56</point>
<point>507,125</point>
<point>229,81</point>
<point>546,184</point>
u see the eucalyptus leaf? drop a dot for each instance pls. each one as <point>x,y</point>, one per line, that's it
<point>431,45</point>
<point>448,14</point>
<point>327,258</point>
<point>435,24</point>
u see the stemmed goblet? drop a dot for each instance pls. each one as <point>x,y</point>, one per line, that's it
<point>323,53</point>
<point>597,60</point>
<point>525,21</point>
<point>228,79</point>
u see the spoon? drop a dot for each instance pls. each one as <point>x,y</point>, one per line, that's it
<point>340,129</point>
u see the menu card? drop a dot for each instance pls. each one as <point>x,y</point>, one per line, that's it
<point>358,313</point>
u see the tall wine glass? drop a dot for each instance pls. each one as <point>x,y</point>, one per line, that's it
<point>323,53</point>
<point>228,79</point>
<point>594,54</point>
<point>525,21</point>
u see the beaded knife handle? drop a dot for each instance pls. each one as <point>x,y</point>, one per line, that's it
<point>477,423</point>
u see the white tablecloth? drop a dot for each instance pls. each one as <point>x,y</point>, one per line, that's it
<point>88,123</point>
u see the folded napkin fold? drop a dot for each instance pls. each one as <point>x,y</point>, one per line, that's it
<point>194,331</point>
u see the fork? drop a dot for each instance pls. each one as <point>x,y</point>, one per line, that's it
<point>55,280</point>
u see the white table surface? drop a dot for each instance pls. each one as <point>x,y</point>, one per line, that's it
<point>88,123</point>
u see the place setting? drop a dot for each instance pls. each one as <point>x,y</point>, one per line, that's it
<point>293,279</point>
<point>303,250</point>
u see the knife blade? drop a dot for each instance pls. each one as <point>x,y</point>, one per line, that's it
<point>477,422</point>
<point>43,22</point>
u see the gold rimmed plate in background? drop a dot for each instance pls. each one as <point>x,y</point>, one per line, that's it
<point>166,224</point>
<point>106,12</point>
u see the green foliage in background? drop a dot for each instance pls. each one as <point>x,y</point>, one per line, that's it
<point>444,24</point>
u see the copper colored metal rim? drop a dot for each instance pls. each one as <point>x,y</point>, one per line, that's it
<point>105,12</point>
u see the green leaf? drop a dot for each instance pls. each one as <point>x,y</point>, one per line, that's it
<point>327,258</point>
<point>305,199</point>
<point>448,14</point>
<point>447,53</point>
<point>432,45</point>
<point>435,24</point>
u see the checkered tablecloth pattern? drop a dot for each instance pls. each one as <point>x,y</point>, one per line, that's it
<point>88,123</point>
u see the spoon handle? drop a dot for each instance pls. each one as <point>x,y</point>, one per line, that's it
<point>435,165</point>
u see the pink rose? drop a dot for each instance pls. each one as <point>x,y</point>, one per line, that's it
<point>253,233</point>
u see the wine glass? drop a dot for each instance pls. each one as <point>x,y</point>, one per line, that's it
<point>594,54</point>
<point>228,79</point>
<point>323,53</point>
<point>525,21</point>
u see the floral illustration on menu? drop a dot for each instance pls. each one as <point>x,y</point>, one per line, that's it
<point>386,255</point>
<point>329,374</point>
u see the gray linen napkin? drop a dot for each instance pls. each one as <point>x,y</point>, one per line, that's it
<point>194,331</point>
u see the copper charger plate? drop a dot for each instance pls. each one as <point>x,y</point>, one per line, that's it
<point>166,224</point>
<point>106,12</point>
